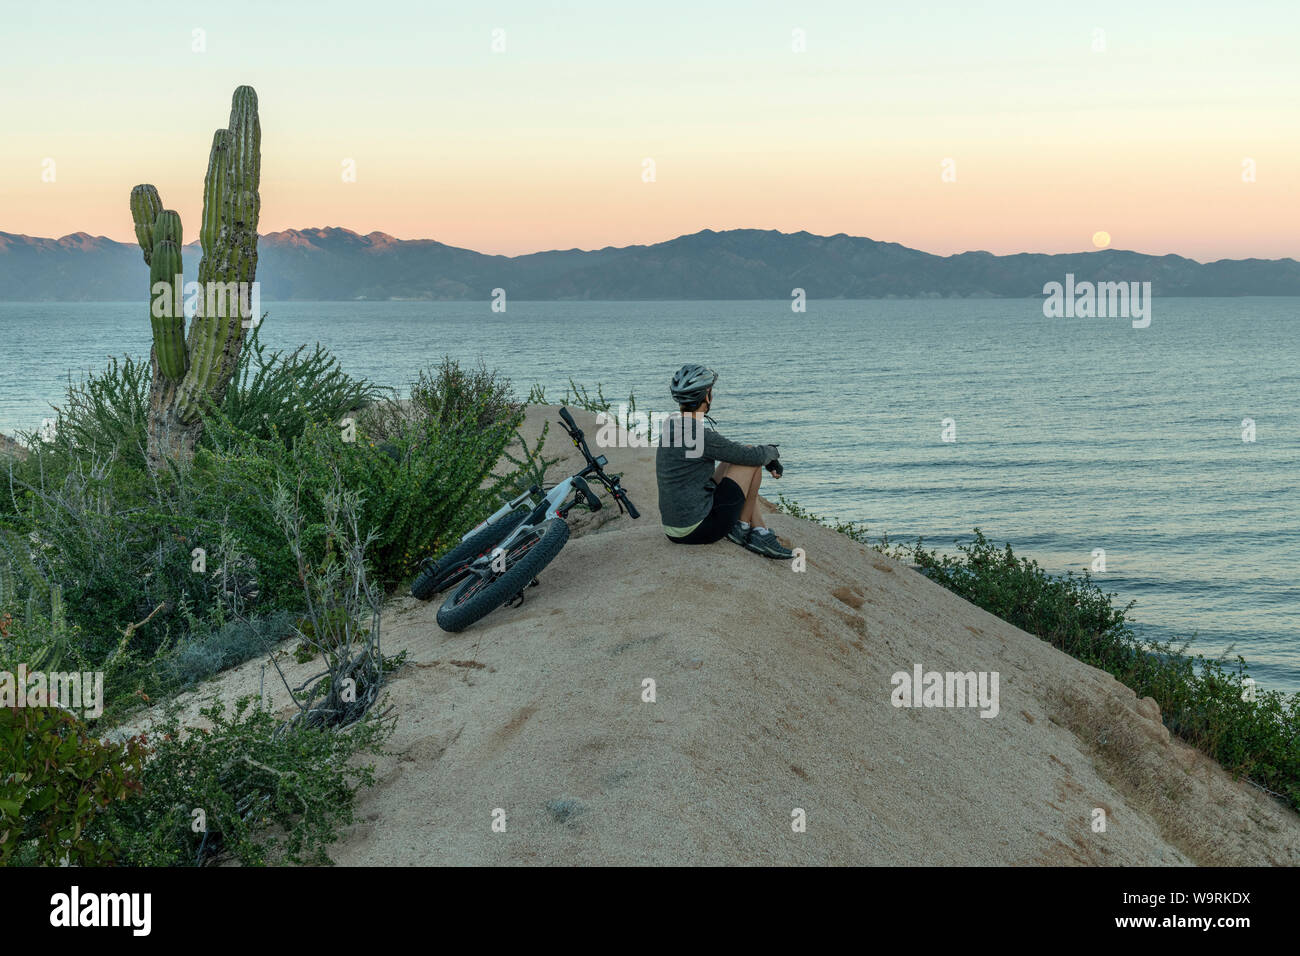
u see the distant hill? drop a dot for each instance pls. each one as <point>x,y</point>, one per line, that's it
<point>338,264</point>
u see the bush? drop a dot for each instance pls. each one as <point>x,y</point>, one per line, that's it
<point>428,487</point>
<point>209,649</point>
<point>850,529</point>
<point>450,394</point>
<point>83,511</point>
<point>85,519</point>
<point>264,794</point>
<point>56,783</point>
<point>422,479</point>
<point>339,600</point>
<point>117,542</point>
<point>104,415</point>
<point>281,393</point>
<point>530,465</point>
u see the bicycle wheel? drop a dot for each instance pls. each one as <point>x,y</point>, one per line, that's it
<point>480,596</point>
<point>446,570</point>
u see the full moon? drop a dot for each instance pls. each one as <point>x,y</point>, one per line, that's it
<point>1101,239</point>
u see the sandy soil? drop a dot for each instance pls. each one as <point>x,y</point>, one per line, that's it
<point>772,694</point>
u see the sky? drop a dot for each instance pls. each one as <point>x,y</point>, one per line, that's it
<point>1008,127</point>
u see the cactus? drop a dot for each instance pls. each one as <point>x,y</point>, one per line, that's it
<point>169,328</point>
<point>192,373</point>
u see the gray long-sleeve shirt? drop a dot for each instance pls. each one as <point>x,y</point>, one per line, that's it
<point>684,468</point>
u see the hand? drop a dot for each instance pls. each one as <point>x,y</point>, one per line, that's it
<point>774,467</point>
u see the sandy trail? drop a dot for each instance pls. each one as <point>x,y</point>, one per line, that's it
<point>772,694</point>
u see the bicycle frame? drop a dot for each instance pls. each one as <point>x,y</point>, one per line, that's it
<point>553,502</point>
<point>556,503</point>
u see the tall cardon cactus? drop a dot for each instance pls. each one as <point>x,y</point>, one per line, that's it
<point>192,372</point>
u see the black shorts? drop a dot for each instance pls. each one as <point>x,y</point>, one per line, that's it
<point>728,502</point>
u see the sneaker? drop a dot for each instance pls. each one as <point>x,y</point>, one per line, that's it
<point>765,542</point>
<point>739,535</point>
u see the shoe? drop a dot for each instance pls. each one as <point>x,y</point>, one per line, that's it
<point>765,542</point>
<point>739,535</point>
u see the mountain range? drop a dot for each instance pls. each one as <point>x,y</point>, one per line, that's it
<point>339,265</point>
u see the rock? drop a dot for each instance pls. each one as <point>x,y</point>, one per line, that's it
<point>12,449</point>
<point>1148,708</point>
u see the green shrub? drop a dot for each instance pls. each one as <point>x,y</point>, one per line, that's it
<point>83,512</point>
<point>209,649</point>
<point>428,483</point>
<point>450,394</point>
<point>105,414</point>
<point>56,784</point>
<point>265,793</point>
<point>434,484</point>
<point>280,393</point>
<point>83,517</point>
<point>530,465</point>
<point>117,542</point>
<point>577,396</point>
<point>851,529</point>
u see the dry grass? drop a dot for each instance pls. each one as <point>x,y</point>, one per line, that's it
<point>1185,797</point>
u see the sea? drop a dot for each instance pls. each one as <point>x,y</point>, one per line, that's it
<point>1168,455</point>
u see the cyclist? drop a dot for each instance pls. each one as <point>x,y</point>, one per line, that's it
<point>708,485</point>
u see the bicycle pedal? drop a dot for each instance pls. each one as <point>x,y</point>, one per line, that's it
<point>515,601</point>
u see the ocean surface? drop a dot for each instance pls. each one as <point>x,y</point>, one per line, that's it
<point>1071,435</point>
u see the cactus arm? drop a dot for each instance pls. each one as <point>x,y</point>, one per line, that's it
<point>167,227</point>
<point>145,207</point>
<point>243,200</point>
<point>214,183</point>
<point>169,327</point>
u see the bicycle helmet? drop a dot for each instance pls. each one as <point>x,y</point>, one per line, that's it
<point>691,384</point>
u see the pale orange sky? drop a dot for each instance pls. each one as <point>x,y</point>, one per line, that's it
<point>541,145</point>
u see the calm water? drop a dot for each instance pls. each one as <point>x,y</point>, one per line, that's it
<point>1071,434</point>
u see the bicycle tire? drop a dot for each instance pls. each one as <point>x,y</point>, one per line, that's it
<point>475,599</point>
<point>437,575</point>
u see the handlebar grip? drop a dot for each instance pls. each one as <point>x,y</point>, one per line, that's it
<point>631,508</point>
<point>592,501</point>
<point>564,413</point>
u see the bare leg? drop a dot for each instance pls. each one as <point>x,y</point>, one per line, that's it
<point>749,477</point>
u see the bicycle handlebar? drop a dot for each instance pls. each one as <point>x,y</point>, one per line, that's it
<point>580,442</point>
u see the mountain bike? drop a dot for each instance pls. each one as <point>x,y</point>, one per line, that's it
<point>499,558</point>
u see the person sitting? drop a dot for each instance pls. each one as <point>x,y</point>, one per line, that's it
<point>708,485</point>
